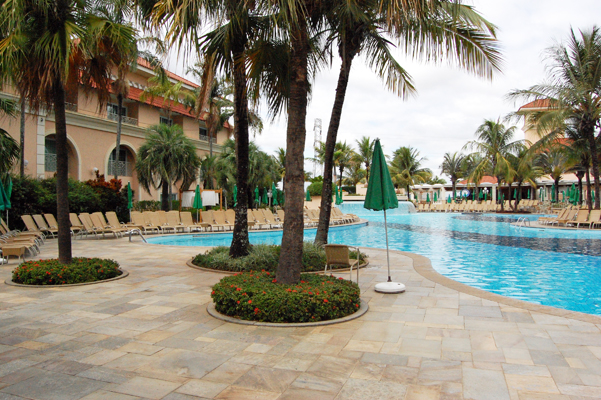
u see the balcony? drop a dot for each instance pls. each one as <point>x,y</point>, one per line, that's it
<point>205,138</point>
<point>124,119</point>
<point>122,168</point>
<point>70,107</point>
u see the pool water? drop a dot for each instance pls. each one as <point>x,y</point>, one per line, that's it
<point>557,268</point>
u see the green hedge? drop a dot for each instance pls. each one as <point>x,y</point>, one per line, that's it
<point>52,272</point>
<point>315,188</point>
<point>262,257</point>
<point>256,296</point>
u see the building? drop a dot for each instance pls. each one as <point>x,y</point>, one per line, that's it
<point>92,132</point>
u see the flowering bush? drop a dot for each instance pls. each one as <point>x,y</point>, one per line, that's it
<point>52,272</point>
<point>262,257</point>
<point>256,296</point>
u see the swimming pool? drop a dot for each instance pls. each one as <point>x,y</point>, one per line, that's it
<point>551,267</point>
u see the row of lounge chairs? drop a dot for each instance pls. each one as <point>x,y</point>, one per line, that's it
<point>16,243</point>
<point>472,206</point>
<point>311,217</point>
<point>574,216</point>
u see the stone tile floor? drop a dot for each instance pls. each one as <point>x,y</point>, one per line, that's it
<point>149,336</point>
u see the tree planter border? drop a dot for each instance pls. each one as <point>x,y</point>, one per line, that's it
<point>124,274</point>
<point>219,271</point>
<point>359,313</point>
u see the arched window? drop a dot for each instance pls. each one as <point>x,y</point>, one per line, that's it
<point>50,154</point>
<point>123,166</point>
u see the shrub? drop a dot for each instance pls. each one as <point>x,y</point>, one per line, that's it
<point>350,189</point>
<point>315,188</point>
<point>52,272</point>
<point>262,257</point>
<point>256,296</point>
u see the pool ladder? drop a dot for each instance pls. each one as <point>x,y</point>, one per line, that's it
<point>522,221</point>
<point>136,232</point>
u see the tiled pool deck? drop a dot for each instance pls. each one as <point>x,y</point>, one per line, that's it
<point>149,336</point>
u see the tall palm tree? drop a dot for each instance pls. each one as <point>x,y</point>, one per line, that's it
<point>280,160</point>
<point>453,165</point>
<point>524,170</point>
<point>365,151</point>
<point>406,168</point>
<point>166,157</point>
<point>48,45</point>
<point>573,91</point>
<point>428,30</point>
<point>555,162</point>
<point>494,143</point>
<point>343,157</point>
<point>228,42</point>
<point>9,153</point>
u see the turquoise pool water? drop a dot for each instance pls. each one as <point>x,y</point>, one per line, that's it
<point>551,267</point>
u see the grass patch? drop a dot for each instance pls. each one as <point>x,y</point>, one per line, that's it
<point>52,272</point>
<point>263,257</point>
<point>256,296</point>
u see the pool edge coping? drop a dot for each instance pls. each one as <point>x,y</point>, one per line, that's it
<point>423,266</point>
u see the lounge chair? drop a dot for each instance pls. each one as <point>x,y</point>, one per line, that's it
<point>270,219</point>
<point>339,254</point>
<point>138,219</point>
<point>258,218</point>
<point>162,216</point>
<point>174,220</point>
<point>281,216</point>
<point>39,236</point>
<point>581,217</point>
<point>548,220</point>
<point>8,250</point>
<point>207,218</point>
<point>230,216</point>
<point>89,228</point>
<point>155,220</point>
<point>593,218</point>
<point>51,221</point>
<point>41,223</point>
<point>113,221</point>
<point>219,217</point>
<point>76,225</point>
<point>187,222</point>
<point>569,217</point>
<point>98,224</point>
<point>31,226</point>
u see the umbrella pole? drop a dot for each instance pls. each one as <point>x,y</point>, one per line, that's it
<point>387,251</point>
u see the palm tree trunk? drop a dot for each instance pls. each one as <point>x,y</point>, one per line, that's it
<point>557,189</point>
<point>454,185</point>
<point>62,175</point>
<point>289,267</point>
<point>579,175</point>
<point>240,246</point>
<point>589,199</point>
<point>165,196</point>
<point>321,237</point>
<point>118,146</point>
<point>22,138</point>
<point>518,198</point>
<point>500,194</point>
<point>595,163</point>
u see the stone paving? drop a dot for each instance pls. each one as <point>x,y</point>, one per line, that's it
<point>149,336</point>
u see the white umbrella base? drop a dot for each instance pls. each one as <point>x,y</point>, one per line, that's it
<point>390,287</point>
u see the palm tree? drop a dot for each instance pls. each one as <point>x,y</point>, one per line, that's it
<point>494,143</point>
<point>524,170</point>
<point>365,151</point>
<point>48,45</point>
<point>453,165</point>
<point>355,174</point>
<point>228,43</point>
<point>280,160</point>
<point>555,162</point>
<point>9,153</point>
<point>167,156</point>
<point>173,94</point>
<point>436,30</point>
<point>406,168</point>
<point>573,91</point>
<point>343,157</point>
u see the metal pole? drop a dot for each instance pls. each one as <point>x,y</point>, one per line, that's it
<point>387,251</point>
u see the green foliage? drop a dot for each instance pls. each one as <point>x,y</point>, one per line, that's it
<point>318,178</point>
<point>350,189</point>
<point>147,205</point>
<point>262,257</point>
<point>52,272</point>
<point>257,296</point>
<point>315,188</point>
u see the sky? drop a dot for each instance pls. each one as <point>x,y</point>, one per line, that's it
<point>450,103</point>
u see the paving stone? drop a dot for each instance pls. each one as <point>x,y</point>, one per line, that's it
<point>185,363</point>
<point>479,384</point>
<point>54,386</point>
<point>201,388</point>
<point>266,379</point>
<point>355,389</point>
<point>146,387</point>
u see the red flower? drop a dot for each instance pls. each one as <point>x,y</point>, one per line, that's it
<point>238,302</point>
<point>264,293</point>
<point>256,310</point>
<point>250,301</point>
<point>238,289</point>
<point>267,273</point>
<point>340,278</point>
<point>289,290</point>
<point>294,291</point>
<point>262,270</point>
<point>325,300</point>
<point>310,293</point>
<point>213,292</point>
<point>357,305</point>
<point>274,281</point>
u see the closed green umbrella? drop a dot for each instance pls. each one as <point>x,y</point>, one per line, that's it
<point>449,199</point>
<point>481,194</point>
<point>339,197</point>
<point>257,197</point>
<point>4,200</point>
<point>265,197</point>
<point>528,193</point>
<point>235,193</point>
<point>515,193</point>
<point>274,194</point>
<point>382,196</point>
<point>553,193</point>
<point>473,195</point>
<point>592,196</point>
<point>563,200</point>
<point>197,202</point>
<point>428,197</point>
<point>308,196</point>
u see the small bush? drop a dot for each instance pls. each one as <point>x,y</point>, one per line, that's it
<point>262,257</point>
<point>315,188</point>
<point>256,296</point>
<point>52,272</point>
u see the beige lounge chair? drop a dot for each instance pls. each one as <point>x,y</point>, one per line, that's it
<point>41,223</point>
<point>281,216</point>
<point>258,218</point>
<point>12,250</point>
<point>548,220</point>
<point>113,221</point>
<point>174,220</point>
<point>207,218</point>
<point>98,224</point>
<point>155,220</point>
<point>339,254</point>
<point>76,225</point>
<point>593,218</point>
<point>186,218</point>
<point>569,217</point>
<point>270,219</point>
<point>219,217</point>
<point>15,233</point>
<point>139,220</point>
<point>581,217</point>
<point>51,221</point>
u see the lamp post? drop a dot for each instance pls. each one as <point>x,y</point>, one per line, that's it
<point>269,195</point>
<point>485,190</point>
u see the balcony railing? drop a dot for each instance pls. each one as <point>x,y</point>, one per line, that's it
<point>50,162</point>
<point>124,119</point>
<point>70,107</point>
<point>205,138</point>
<point>121,168</point>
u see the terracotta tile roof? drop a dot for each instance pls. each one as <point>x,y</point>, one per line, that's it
<point>541,103</point>
<point>485,179</point>
<point>135,93</point>
<point>170,74</point>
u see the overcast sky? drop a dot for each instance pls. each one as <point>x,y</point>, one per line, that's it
<point>450,104</point>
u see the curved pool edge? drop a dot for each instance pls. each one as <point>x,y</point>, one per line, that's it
<point>423,266</point>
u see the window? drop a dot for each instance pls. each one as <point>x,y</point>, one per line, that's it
<point>50,154</point>
<point>166,121</point>
<point>120,167</point>
<point>114,109</point>
<point>203,134</point>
